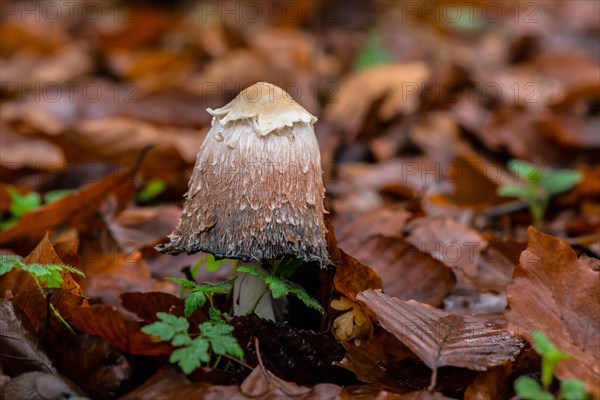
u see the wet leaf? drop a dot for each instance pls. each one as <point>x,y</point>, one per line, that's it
<point>558,294</point>
<point>71,208</point>
<point>443,339</point>
<point>113,327</point>
<point>352,277</point>
<point>452,243</point>
<point>21,350</point>
<point>391,258</point>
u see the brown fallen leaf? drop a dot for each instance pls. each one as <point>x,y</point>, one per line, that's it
<point>352,276</point>
<point>360,183</point>
<point>44,253</point>
<point>387,222</point>
<point>120,139</point>
<point>402,267</point>
<point>40,385</point>
<point>114,328</point>
<point>146,305</point>
<point>496,264</point>
<point>90,361</point>
<point>398,85</point>
<point>589,188</point>
<point>425,395</point>
<point>21,350</point>
<point>26,292</point>
<point>109,275</point>
<point>446,240</point>
<point>443,339</point>
<point>136,227</point>
<point>260,384</point>
<point>23,151</point>
<point>559,294</point>
<point>371,361</point>
<point>491,384</point>
<point>70,209</point>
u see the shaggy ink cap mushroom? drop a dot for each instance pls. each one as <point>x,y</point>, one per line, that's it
<point>256,192</point>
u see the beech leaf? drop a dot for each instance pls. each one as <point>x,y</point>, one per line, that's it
<point>440,338</point>
<point>555,292</point>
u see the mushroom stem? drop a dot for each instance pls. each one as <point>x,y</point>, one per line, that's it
<point>250,293</point>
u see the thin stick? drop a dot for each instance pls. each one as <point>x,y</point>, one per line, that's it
<point>243,364</point>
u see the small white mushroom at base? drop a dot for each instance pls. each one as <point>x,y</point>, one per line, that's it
<point>248,289</point>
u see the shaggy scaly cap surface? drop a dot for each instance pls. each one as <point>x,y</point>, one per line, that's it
<point>256,192</point>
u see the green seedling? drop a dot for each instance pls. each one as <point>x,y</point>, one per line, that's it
<point>19,205</point>
<point>214,339</point>
<point>209,262</point>
<point>44,275</point>
<point>529,389</point>
<point>24,203</point>
<point>153,188</point>
<point>539,185</point>
<point>372,53</point>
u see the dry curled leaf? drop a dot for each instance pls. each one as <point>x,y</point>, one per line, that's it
<point>21,351</point>
<point>392,257</point>
<point>114,328</point>
<point>559,294</point>
<point>352,276</point>
<point>440,338</point>
<point>72,208</point>
<point>398,84</point>
<point>448,241</point>
<point>354,324</point>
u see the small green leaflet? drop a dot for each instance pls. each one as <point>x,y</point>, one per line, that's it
<point>48,275</point>
<point>191,357</point>
<point>560,180</point>
<point>168,326</point>
<point>526,171</point>
<point>194,301</point>
<point>281,287</point>
<point>513,191</point>
<point>528,389</point>
<point>372,53</point>
<point>199,292</point>
<point>552,181</point>
<point>219,336</point>
<point>9,262</point>
<point>23,203</point>
<point>550,356</point>
<point>572,389</point>
<point>215,336</point>
<point>210,263</point>
<point>153,188</point>
<point>55,195</point>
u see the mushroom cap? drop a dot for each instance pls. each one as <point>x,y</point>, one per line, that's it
<point>256,192</point>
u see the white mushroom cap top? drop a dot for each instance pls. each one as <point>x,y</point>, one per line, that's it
<point>256,192</point>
